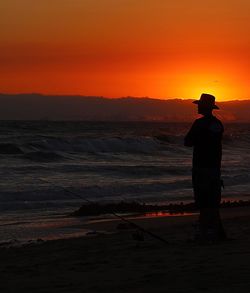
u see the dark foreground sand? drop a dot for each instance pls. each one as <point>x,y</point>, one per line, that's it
<point>114,263</point>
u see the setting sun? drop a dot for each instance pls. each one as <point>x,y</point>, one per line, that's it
<point>222,89</point>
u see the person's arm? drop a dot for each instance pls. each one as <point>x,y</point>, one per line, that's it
<point>190,138</point>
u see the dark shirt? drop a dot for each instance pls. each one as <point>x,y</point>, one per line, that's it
<point>205,136</point>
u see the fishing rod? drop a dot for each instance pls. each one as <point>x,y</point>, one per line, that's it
<point>146,231</point>
<point>75,194</point>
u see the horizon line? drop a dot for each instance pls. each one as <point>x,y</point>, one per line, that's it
<point>121,97</point>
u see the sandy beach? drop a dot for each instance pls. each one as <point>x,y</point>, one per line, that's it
<point>115,262</point>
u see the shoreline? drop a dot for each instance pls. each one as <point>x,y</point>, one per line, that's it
<point>108,224</point>
<point>134,207</point>
<point>72,227</point>
<point>68,227</point>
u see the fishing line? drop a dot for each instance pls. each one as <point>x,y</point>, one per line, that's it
<point>77,195</point>
<point>146,231</point>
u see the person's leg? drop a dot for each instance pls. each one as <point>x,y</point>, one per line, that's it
<point>200,188</point>
<point>203,221</point>
<point>220,233</point>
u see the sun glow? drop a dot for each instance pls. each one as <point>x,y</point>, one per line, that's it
<point>194,89</point>
<point>221,86</point>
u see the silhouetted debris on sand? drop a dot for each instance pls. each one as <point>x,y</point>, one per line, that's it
<point>95,209</point>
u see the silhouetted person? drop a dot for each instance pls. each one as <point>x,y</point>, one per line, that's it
<point>205,137</point>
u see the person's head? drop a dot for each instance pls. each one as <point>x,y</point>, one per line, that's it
<point>206,104</point>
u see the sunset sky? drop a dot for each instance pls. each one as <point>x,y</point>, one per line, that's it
<point>114,48</point>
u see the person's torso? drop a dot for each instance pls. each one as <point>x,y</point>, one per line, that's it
<point>207,147</point>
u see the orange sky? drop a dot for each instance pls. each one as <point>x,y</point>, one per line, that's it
<point>156,48</point>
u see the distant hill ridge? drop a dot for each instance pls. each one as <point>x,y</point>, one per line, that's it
<point>74,107</point>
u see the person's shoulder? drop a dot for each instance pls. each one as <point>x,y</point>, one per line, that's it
<point>200,121</point>
<point>217,125</point>
<point>217,120</point>
<point>197,124</point>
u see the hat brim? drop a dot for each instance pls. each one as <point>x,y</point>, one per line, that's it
<point>212,106</point>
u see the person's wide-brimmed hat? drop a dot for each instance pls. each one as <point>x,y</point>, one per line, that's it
<point>207,100</point>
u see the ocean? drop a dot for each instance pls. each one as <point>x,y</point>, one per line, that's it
<point>100,161</point>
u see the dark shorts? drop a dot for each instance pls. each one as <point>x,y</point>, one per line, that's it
<point>207,187</point>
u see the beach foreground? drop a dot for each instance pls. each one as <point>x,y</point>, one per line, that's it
<point>115,262</point>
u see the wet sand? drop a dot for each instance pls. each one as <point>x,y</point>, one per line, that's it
<point>115,262</point>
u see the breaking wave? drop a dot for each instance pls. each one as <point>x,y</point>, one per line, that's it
<point>49,148</point>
